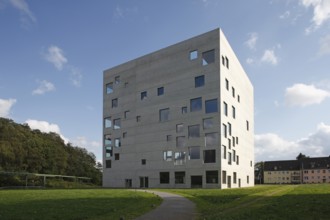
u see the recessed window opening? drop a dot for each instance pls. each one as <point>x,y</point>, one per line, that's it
<point>209,156</point>
<point>160,91</point>
<point>194,153</point>
<point>168,155</point>
<point>211,139</point>
<point>208,57</point>
<point>211,106</point>
<point>107,122</point>
<point>196,104</point>
<point>117,142</point>
<point>109,88</point>
<point>164,114</point>
<point>193,131</point>
<point>193,55</point>
<point>208,123</point>
<point>117,79</point>
<point>199,81</point>
<point>212,176</point>
<point>116,123</point>
<point>143,95</point>
<point>179,177</point>
<point>179,128</point>
<point>114,103</point>
<point>184,110</point>
<point>164,177</point>
<point>180,141</point>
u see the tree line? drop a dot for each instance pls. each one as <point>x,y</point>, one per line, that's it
<point>25,150</point>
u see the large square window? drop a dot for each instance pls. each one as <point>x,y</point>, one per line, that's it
<point>164,114</point>
<point>109,88</point>
<point>208,57</point>
<point>211,106</point>
<point>180,141</point>
<point>180,177</point>
<point>199,81</point>
<point>193,55</point>
<point>196,104</point>
<point>193,131</point>
<point>107,139</point>
<point>211,139</point>
<point>164,177</point>
<point>116,123</point>
<point>212,176</point>
<point>194,153</point>
<point>114,103</point>
<point>143,95</point>
<point>179,158</point>
<point>207,123</point>
<point>107,122</point>
<point>167,155</point>
<point>160,91</point>
<point>209,156</point>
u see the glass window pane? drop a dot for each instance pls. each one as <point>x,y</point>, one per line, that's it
<point>212,176</point>
<point>211,139</point>
<point>114,103</point>
<point>107,122</point>
<point>179,177</point>
<point>167,155</point>
<point>179,128</point>
<point>117,80</point>
<point>193,55</point>
<point>164,114</point>
<point>179,158</point>
<point>209,156</point>
<point>107,139</point>
<point>184,110</point>
<point>207,123</point>
<point>160,91</point>
<point>143,95</point>
<point>194,153</point>
<point>180,141</point>
<point>193,131</point>
<point>196,104</point>
<point>117,142</point>
<point>199,81</point>
<point>208,57</point>
<point>116,123</point>
<point>211,106</point>
<point>109,88</point>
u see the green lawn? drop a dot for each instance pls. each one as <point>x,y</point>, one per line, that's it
<point>262,202</point>
<point>75,204</point>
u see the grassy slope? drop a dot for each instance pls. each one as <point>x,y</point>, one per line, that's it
<point>262,202</point>
<point>75,204</point>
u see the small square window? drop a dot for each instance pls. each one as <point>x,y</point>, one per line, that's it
<point>208,57</point>
<point>126,114</point>
<point>117,156</point>
<point>114,103</point>
<point>169,138</point>
<point>179,177</point>
<point>180,141</point>
<point>211,139</point>
<point>116,123</point>
<point>160,91</point>
<point>117,79</point>
<point>196,104</point>
<point>143,95</point>
<point>138,118</point>
<point>207,123</point>
<point>179,128</point>
<point>199,81</point>
<point>109,88</point>
<point>107,122</point>
<point>164,114</point>
<point>184,110</point>
<point>193,55</point>
<point>143,161</point>
<point>211,106</point>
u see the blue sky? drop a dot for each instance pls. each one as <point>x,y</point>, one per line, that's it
<point>53,53</point>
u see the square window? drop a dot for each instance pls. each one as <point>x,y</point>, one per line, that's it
<point>169,138</point>
<point>126,114</point>
<point>194,153</point>
<point>193,131</point>
<point>225,109</point>
<point>138,118</point>
<point>164,114</point>
<point>208,57</point>
<point>196,104</point>
<point>193,55</point>
<point>179,128</point>
<point>164,177</point>
<point>211,106</point>
<point>107,139</point>
<point>143,161</point>
<point>212,176</point>
<point>143,95</point>
<point>108,151</point>
<point>184,110</point>
<point>209,156</point>
<point>114,103</point>
<point>180,141</point>
<point>211,139</point>
<point>179,177</point>
<point>107,122</point>
<point>160,91</point>
<point>117,79</point>
<point>117,142</point>
<point>109,88</point>
<point>199,81</point>
<point>116,123</point>
<point>179,158</point>
<point>207,123</point>
<point>117,156</point>
<point>108,164</point>
<point>227,84</point>
<point>168,155</point>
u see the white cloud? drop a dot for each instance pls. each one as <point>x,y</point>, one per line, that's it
<point>5,106</point>
<point>249,61</point>
<point>56,57</point>
<point>26,13</point>
<point>45,127</point>
<point>285,15</point>
<point>324,45</point>
<point>321,12</point>
<point>252,41</point>
<point>44,86</point>
<point>270,146</point>
<point>120,12</point>
<point>303,95</point>
<point>269,57</point>
<point>75,76</point>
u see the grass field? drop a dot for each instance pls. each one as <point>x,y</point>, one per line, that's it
<point>75,204</point>
<point>262,202</point>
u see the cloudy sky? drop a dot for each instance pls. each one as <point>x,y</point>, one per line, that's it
<point>53,53</point>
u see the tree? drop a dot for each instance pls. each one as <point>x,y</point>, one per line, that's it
<point>301,156</point>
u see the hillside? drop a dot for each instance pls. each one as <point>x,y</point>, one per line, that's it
<point>25,150</point>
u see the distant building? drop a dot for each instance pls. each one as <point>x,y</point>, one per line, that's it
<point>304,170</point>
<point>180,117</point>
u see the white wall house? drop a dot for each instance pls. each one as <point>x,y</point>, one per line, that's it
<point>180,117</point>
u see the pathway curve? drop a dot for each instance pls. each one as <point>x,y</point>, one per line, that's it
<point>173,207</point>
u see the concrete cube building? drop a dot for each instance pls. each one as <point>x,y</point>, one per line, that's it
<point>180,117</point>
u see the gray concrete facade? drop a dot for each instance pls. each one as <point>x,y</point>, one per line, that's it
<point>180,117</point>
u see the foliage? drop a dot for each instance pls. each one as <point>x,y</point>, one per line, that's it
<point>262,202</point>
<point>26,150</point>
<point>75,204</point>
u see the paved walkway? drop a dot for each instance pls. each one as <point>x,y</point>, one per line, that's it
<point>173,207</point>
